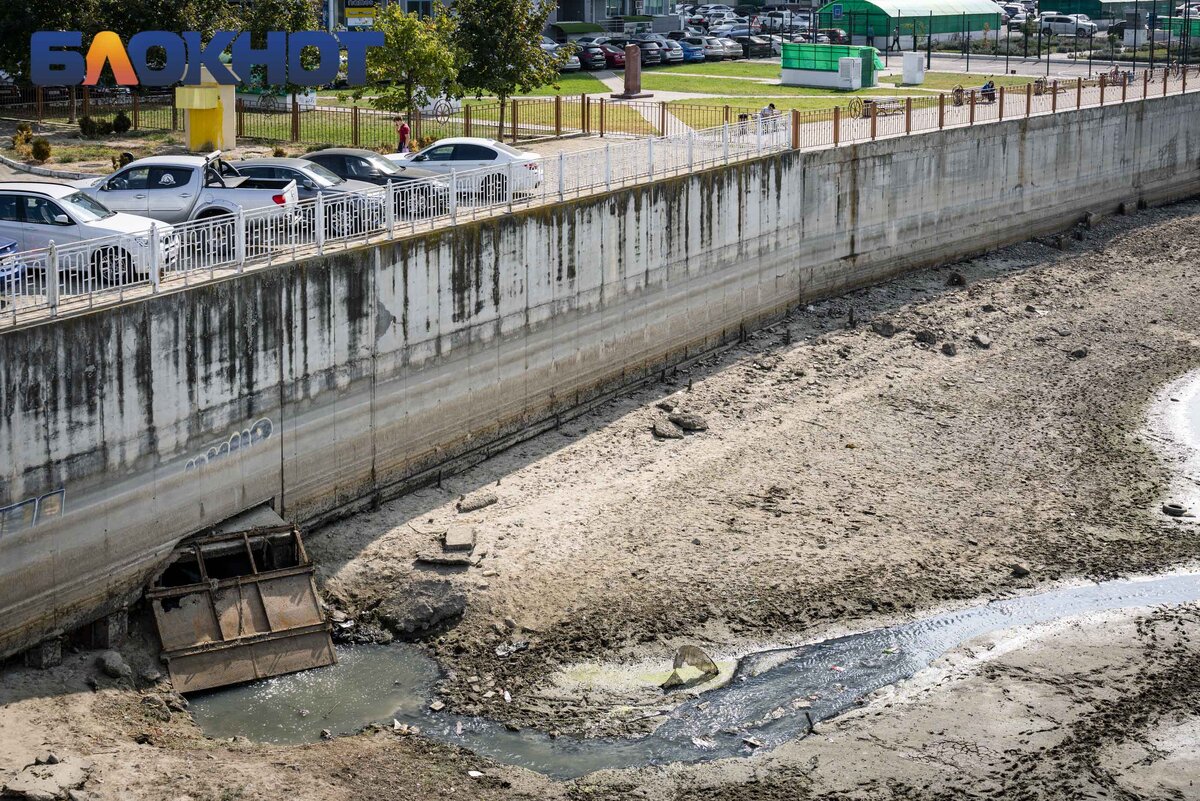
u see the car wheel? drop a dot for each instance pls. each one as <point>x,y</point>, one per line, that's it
<point>112,266</point>
<point>1080,33</point>
<point>493,188</point>
<point>1047,32</point>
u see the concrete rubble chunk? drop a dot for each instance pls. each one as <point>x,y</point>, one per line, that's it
<point>665,429</point>
<point>49,782</point>
<point>688,421</point>
<point>113,665</point>
<point>981,341</point>
<point>420,606</point>
<point>885,328</point>
<point>459,538</point>
<point>476,500</point>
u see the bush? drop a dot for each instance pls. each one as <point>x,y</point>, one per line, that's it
<point>279,153</point>
<point>104,128</point>
<point>87,127</point>
<point>40,149</point>
<point>121,123</point>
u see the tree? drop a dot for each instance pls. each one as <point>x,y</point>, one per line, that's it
<point>417,61</point>
<point>500,47</point>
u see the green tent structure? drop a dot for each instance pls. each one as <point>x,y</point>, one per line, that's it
<point>817,64</point>
<point>874,22</point>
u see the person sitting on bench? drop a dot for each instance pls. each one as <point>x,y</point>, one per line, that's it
<point>988,91</point>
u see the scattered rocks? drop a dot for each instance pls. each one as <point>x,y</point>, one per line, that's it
<point>459,537</point>
<point>956,279</point>
<point>1078,353</point>
<point>422,606</point>
<point>949,348</point>
<point>476,500</point>
<point>885,328</point>
<point>508,649</point>
<point>113,665</point>
<point>688,421</point>
<point>49,781</point>
<point>1020,570</point>
<point>150,676</point>
<point>326,734</point>
<point>156,707</point>
<point>667,404</point>
<point>665,429</point>
<point>981,341</point>
<point>925,337</point>
<point>437,706</point>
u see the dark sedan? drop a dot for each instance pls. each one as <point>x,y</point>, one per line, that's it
<point>592,57</point>
<point>354,164</point>
<point>614,56</point>
<point>754,46</point>
<point>652,53</point>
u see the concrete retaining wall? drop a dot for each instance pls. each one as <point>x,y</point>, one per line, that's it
<point>323,384</point>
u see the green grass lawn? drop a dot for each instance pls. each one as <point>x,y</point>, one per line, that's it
<point>571,83</point>
<point>720,88</point>
<point>693,113</point>
<point>949,80</point>
<point>733,69</point>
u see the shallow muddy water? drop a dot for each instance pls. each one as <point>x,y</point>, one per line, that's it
<point>771,698</point>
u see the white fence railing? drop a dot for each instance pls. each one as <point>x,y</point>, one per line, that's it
<point>67,277</point>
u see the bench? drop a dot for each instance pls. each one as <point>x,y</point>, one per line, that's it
<point>880,106</point>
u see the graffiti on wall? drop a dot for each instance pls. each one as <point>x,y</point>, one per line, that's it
<point>237,442</point>
<point>30,512</point>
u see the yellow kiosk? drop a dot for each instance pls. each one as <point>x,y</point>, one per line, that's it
<point>209,116</point>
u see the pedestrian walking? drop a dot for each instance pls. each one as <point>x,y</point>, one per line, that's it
<point>402,134</point>
<point>895,38</point>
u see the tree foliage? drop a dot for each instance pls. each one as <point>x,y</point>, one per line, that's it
<point>500,48</point>
<point>417,61</point>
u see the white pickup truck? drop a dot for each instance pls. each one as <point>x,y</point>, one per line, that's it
<point>177,189</point>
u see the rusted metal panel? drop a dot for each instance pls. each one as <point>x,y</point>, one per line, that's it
<point>239,606</point>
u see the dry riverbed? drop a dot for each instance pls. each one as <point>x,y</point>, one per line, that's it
<point>902,448</point>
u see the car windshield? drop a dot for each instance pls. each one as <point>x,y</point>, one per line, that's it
<point>324,176</point>
<point>384,166</point>
<point>503,148</point>
<point>85,208</point>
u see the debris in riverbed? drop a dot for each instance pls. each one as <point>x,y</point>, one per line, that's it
<point>703,743</point>
<point>49,780</point>
<point>1020,570</point>
<point>476,500</point>
<point>508,649</point>
<point>691,666</point>
<point>1174,509</point>
<point>665,429</point>
<point>688,421</point>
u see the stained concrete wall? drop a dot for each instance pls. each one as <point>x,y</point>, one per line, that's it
<point>323,384</point>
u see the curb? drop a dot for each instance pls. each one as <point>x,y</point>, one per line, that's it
<point>22,167</point>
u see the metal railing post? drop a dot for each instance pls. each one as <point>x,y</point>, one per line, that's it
<point>1102,84</point>
<point>837,124</point>
<point>691,146</point>
<point>562,170</point>
<point>795,129</point>
<point>52,279</point>
<point>1166,77</point>
<point>389,209</point>
<point>602,118</point>
<point>1028,98</point>
<point>725,141</point>
<point>1078,93</point>
<point>354,123</point>
<point>154,258</point>
<point>466,120</point>
<point>239,237</point>
<point>1146,79</point>
<point>1124,91</point>
<point>1054,97</point>
<point>875,117</point>
<point>1000,107</point>
<point>941,110</point>
<point>650,155</point>
<point>971,113</point>
<point>509,184</point>
<point>319,234</point>
<point>758,133</point>
<point>453,197</point>
<point>558,115</point>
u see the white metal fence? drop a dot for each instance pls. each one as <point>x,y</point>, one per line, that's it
<point>79,275</point>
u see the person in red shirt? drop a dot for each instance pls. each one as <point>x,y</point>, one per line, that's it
<point>402,133</point>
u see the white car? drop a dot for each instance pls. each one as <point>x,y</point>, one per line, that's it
<point>36,214</point>
<point>488,164</point>
<point>1065,25</point>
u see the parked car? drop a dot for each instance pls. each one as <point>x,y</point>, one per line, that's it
<point>671,50</point>
<point>713,49</point>
<point>732,48</point>
<point>614,56</point>
<point>180,188</point>
<point>572,64</point>
<point>370,167</point>
<point>652,53</point>
<point>836,35</point>
<point>1065,25</point>
<point>730,31</point>
<point>591,57</point>
<point>36,214</point>
<point>692,52</point>
<point>354,203</point>
<point>487,160</point>
<point>754,46</point>
<point>12,271</point>
<point>1017,22</point>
